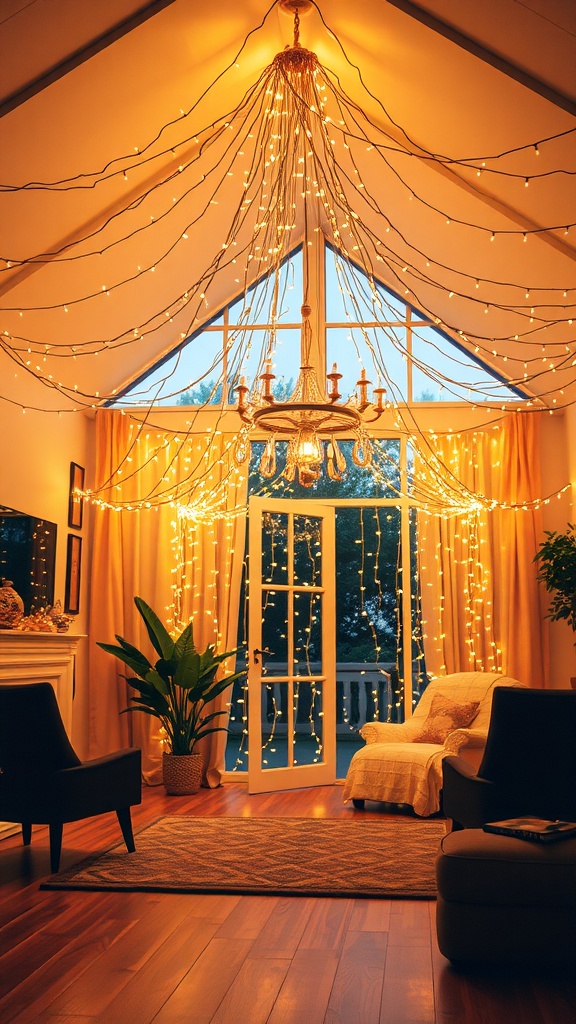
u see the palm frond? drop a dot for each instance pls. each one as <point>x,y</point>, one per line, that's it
<point>178,687</point>
<point>159,636</point>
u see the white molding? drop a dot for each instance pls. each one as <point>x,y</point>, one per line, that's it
<point>39,658</point>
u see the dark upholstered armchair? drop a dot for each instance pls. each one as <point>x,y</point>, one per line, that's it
<point>43,782</point>
<point>528,766</point>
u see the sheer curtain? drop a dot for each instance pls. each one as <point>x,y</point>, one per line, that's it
<point>183,567</point>
<point>480,599</point>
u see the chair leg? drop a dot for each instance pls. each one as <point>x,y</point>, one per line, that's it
<point>26,833</point>
<point>56,828</point>
<point>126,825</point>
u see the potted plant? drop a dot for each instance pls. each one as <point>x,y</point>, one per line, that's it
<point>176,690</point>
<point>557,571</point>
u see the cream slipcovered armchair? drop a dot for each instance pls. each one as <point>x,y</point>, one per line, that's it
<point>402,764</point>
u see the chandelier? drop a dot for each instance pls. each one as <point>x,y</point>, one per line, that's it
<point>312,418</point>
<point>309,420</point>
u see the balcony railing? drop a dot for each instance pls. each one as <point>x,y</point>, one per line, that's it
<point>365,692</point>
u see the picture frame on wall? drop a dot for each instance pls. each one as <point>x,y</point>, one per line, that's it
<point>75,499</point>
<point>73,571</point>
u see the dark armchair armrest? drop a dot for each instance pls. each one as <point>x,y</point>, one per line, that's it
<point>112,780</point>
<point>92,787</point>
<point>467,799</point>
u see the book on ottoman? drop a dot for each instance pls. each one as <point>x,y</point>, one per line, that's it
<point>539,830</point>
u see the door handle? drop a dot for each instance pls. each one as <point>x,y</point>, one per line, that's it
<point>256,651</point>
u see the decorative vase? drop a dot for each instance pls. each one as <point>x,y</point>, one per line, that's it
<point>182,773</point>
<point>11,606</point>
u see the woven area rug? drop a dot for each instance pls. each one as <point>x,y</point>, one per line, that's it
<point>276,856</point>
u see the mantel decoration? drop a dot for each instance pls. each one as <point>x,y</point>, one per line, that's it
<point>11,606</point>
<point>46,620</point>
<point>557,571</point>
<point>176,690</point>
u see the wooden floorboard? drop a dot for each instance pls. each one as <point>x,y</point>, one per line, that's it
<point>141,958</point>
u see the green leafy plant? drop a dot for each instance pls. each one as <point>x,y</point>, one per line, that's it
<point>557,557</point>
<point>179,686</point>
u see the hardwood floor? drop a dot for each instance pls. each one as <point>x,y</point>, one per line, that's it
<point>136,958</point>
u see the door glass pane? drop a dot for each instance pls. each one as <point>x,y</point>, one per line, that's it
<point>307,722</point>
<point>307,633</point>
<point>275,746</point>
<point>307,551</point>
<point>274,548</point>
<point>274,632</point>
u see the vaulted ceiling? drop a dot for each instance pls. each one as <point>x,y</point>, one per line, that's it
<point>113,143</point>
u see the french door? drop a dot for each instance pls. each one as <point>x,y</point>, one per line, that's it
<point>291,645</point>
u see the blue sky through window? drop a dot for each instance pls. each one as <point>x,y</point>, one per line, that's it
<point>361,332</point>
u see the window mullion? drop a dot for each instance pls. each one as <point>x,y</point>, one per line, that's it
<point>317,298</point>
<point>409,366</point>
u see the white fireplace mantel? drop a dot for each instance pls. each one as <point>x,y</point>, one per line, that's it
<point>27,657</point>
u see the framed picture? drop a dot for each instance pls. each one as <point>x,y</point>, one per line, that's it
<point>73,567</point>
<point>75,499</point>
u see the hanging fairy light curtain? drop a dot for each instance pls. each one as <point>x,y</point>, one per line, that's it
<point>311,417</point>
<point>247,162</point>
<point>294,140</point>
<point>480,601</point>
<point>173,556</point>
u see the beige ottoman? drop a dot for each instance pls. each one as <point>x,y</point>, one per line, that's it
<point>506,901</point>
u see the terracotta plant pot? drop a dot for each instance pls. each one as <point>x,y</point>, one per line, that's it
<point>182,773</point>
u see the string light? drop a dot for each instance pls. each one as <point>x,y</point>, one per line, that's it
<point>227,159</point>
<point>379,686</point>
<point>200,142</point>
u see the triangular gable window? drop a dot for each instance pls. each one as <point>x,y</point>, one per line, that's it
<point>399,348</point>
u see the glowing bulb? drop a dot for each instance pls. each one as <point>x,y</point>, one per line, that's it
<point>308,448</point>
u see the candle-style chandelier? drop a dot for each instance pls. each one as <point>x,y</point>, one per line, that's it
<point>309,420</point>
<point>312,418</point>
